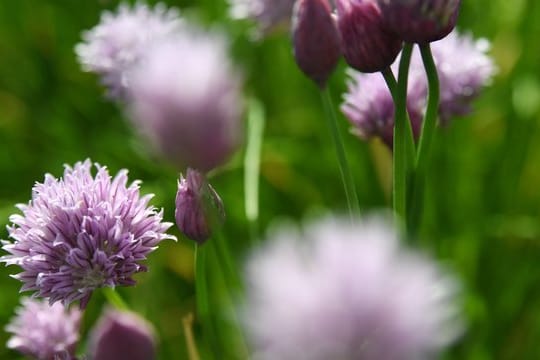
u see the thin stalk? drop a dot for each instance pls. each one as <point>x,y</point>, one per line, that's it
<point>226,260</point>
<point>430,119</point>
<point>390,81</point>
<point>403,139</point>
<point>187,323</point>
<point>346,176</point>
<point>201,296</point>
<point>114,298</point>
<point>252,164</point>
<point>426,136</point>
<point>221,277</point>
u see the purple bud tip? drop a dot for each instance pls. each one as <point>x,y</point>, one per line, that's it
<point>367,44</point>
<point>420,21</point>
<point>316,41</point>
<point>198,207</point>
<point>122,335</point>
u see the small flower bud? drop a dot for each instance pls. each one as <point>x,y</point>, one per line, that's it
<point>122,335</point>
<point>316,41</point>
<point>198,207</point>
<point>367,45</point>
<point>420,21</point>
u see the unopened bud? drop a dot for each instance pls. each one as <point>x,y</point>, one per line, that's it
<point>367,44</point>
<point>122,335</point>
<point>420,21</point>
<point>198,207</point>
<point>316,41</point>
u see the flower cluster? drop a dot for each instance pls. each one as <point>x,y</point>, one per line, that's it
<point>463,66</point>
<point>43,331</point>
<point>347,291</point>
<point>83,232</point>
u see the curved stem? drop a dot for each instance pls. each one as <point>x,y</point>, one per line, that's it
<point>403,139</point>
<point>114,298</point>
<point>430,119</point>
<point>346,176</point>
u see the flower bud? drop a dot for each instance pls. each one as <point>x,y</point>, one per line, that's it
<point>420,21</point>
<point>316,41</point>
<point>367,44</point>
<point>198,207</point>
<point>122,335</point>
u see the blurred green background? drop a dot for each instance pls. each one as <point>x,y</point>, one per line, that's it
<point>482,197</point>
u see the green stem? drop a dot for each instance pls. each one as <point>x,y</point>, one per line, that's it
<point>221,277</point>
<point>114,298</point>
<point>403,139</point>
<point>430,119</point>
<point>426,136</point>
<point>226,260</point>
<point>390,81</point>
<point>252,162</point>
<point>346,176</point>
<point>201,284</point>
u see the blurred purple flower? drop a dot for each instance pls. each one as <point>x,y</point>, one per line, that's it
<point>464,69</point>
<point>269,14</point>
<point>347,291</point>
<point>113,47</point>
<point>198,207</point>
<point>80,232</point>
<point>122,335</point>
<point>187,101</point>
<point>44,332</point>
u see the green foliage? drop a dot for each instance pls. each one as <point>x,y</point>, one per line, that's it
<point>482,203</point>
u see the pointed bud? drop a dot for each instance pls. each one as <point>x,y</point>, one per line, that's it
<point>122,335</point>
<point>420,21</point>
<point>198,207</point>
<point>367,45</point>
<point>316,41</point>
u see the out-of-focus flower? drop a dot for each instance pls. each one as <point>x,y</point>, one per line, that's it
<point>187,100</point>
<point>420,21</point>
<point>113,47</point>
<point>463,66</point>
<point>122,335</point>
<point>198,207</point>
<point>369,106</point>
<point>367,45</point>
<point>347,291</point>
<point>464,69</point>
<point>80,232</point>
<point>316,43</point>
<point>44,332</point>
<point>269,14</point>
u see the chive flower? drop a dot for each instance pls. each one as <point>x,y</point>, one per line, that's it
<point>82,232</point>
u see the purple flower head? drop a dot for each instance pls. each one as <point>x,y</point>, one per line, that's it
<point>82,232</point>
<point>367,45</point>
<point>369,106</point>
<point>269,14</point>
<point>187,100</point>
<point>198,207</point>
<point>316,43</point>
<point>463,67</point>
<point>43,331</point>
<point>420,21</point>
<point>347,291</point>
<point>113,47</point>
<point>122,335</point>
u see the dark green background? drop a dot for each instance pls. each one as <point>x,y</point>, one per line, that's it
<point>482,195</point>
